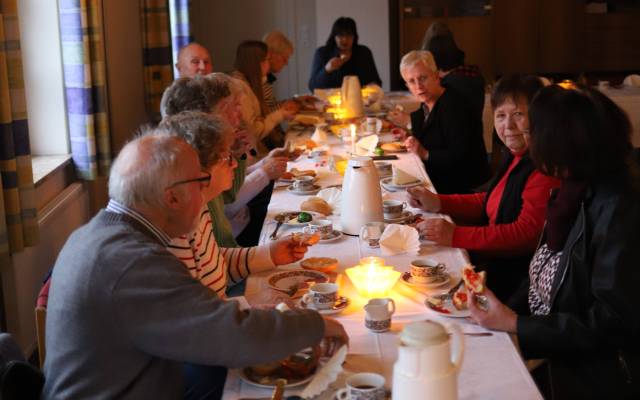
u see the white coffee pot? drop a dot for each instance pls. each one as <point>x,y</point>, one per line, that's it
<point>352,97</point>
<point>429,360</point>
<point>361,196</point>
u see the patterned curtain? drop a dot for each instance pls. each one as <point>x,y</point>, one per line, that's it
<point>180,28</point>
<point>18,215</point>
<point>156,56</point>
<point>85,85</point>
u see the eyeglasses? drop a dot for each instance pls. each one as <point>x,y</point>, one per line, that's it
<point>203,180</point>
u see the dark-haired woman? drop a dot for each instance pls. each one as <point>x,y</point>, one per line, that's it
<point>500,227</point>
<point>342,56</point>
<point>582,296</point>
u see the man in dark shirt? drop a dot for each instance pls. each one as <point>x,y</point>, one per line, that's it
<point>446,132</point>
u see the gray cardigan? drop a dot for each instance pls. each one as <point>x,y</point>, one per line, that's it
<point>124,313</point>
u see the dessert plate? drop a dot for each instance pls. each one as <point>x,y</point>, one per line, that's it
<point>388,184</point>
<point>298,279</point>
<point>314,189</point>
<point>406,215</point>
<point>447,309</point>
<point>338,306</point>
<point>407,279</point>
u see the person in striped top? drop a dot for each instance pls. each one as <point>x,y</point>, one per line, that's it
<point>213,266</point>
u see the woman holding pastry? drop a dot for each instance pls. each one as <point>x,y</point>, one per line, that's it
<point>499,227</point>
<point>581,304</point>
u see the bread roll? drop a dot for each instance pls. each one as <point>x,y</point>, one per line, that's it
<point>316,204</point>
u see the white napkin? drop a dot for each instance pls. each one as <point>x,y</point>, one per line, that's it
<point>333,196</point>
<point>398,239</point>
<point>326,375</point>
<point>367,144</point>
<point>319,136</point>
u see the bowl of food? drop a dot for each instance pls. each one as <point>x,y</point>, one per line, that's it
<point>321,264</point>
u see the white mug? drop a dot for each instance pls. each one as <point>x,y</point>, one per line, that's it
<point>302,183</point>
<point>371,232</point>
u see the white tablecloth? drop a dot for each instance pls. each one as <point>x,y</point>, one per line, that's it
<point>492,368</point>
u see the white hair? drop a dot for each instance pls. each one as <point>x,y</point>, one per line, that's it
<point>278,42</point>
<point>145,167</point>
<point>415,56</point>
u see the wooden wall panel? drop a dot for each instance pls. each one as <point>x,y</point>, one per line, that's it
<point>515,36</point>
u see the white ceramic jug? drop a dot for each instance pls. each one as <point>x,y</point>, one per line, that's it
<point>428,361</point>
<point>352,97</point>
<point>361,196</point>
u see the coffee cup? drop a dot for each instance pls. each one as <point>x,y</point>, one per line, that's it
<point>321,296</point>
<point>302,183</point>
<point>393,208</point>
<point>383,167</point>
<point>426,270</point>
<point>323,227</point>
<point>363,386</point>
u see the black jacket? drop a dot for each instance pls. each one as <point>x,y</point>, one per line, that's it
<point>590,338</point>
<point>453,136</point>
<point>361,64</point>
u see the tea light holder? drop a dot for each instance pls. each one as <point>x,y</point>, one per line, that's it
<point>335,99</point>
<point>372,278</point>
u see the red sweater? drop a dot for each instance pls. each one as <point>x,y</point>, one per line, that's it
<point>515,239</point>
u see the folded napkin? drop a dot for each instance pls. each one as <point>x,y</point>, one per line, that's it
<point>401,177</point>
<point>367,145</point>
<point>398,239</point>
<point>333,196</point>
<point>326,375</point>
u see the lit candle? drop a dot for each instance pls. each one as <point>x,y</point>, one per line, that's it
<point>372,278</point>
<point>353,139</point>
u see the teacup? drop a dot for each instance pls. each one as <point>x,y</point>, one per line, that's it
<point>371,232</point>
<point>323,227</point>
<point>363,386</point>
<point>321,296</point>
<point>383,167</point>
<point>303,183</point>
<point>426,270</point>
<point>393,208</point>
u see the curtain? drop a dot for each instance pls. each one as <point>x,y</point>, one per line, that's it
<point>18,216</point>
<point>156,56</point>
<point>85,86</point>
<point>180,28</point>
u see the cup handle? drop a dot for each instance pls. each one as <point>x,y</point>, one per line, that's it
<point>457,345</point>
<point>307,298</point>
<point>341,394</point>
<point>404,205</point>
<point>393,306</point>
<point>364,233</point>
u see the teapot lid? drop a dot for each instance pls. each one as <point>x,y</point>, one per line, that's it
<point>360,161</point>
<point>423,333</point>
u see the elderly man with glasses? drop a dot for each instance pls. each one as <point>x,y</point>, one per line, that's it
<point>124,314</point>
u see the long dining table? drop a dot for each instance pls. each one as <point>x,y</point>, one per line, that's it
<point>492,368</point>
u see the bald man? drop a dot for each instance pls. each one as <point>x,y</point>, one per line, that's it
<point>193,59</point>
<point>124,313</point>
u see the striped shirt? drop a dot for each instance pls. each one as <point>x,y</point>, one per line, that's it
<point>118,208</point>
<point>213,266</point>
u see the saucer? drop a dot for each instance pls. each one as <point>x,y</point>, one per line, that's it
<point>339,305</point>
<point>406,215</point>
<point>313,190</point>
<point>407,279</point>
<point>335,235</point>
<point>387,184</point>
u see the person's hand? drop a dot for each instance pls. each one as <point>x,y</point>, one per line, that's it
<point>399,134</point>
<point>334,64</point>
<point>438,230</point>
<point>274,167</point>
<point>413,145</point>
<point>287,251</point>
<point>289,109</point>
<point>399,118</point>
<point>334,333</point>
<point>423,198</point>
<point>493,314</point>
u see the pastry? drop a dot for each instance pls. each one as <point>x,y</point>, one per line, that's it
<point>459,300</point>
<point>473,280</point>
<point>308,239</point>
<point>316,204</point>
<point>393,146</point>
<point>400,177</point>
<point>321,264</point>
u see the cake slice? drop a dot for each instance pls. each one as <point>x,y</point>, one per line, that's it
<point>400,177</point>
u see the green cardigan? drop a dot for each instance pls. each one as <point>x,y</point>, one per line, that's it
<point>221,225</point>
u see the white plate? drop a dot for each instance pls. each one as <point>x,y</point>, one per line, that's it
<point>447,309</point>
<point>290,181</point>
<point>292,222</point>
<point>406,215</point>
<point>343,302</point>
<point>246,379</point>
<point>386,183</point>
<point>284,280</point>
<point>408,280</point>
<point>315,189</point>
<point>335,235</point>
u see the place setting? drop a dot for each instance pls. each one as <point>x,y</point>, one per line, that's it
<point>303,185</point>
<point>427,274</point>
<point>324,228</point>
<point>399,180</point>
<point>395,213</point>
